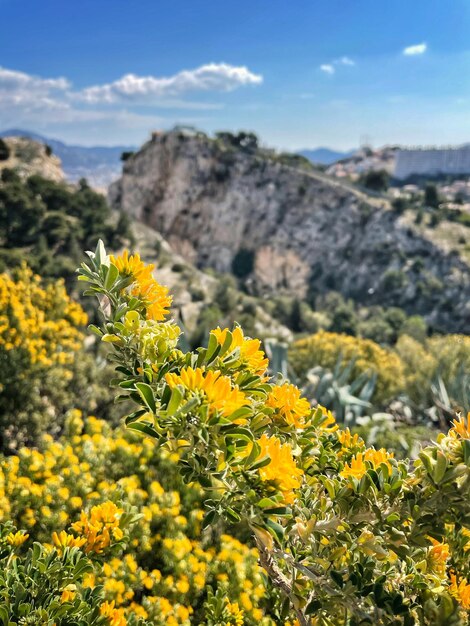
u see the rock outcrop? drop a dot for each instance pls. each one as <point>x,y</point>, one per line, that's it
<point>285,230</point>
<point>28,157</point>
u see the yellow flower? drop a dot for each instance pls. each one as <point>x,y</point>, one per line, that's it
<point>64,540</point>
<point>460,591</point>
<point>286,401</point>
<point>460,428</point>
<point>349,441</point>
<point>99,527</point>
<point>216,388</point>
<point>250,352</point>
<point>17,539</point>
<point>115,616</point>
<point>377,457</point>
<point>68,594</point>
<point>154,296</point>
<point>328,424</point>
<point>132,265</point>
<point>438,556</point>
<point>356,469</point>
<point>236,614</point>
<point>282,469</point>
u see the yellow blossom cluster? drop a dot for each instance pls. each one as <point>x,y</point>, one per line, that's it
<point>167,566</point>
<point>282,470</point>
<point>288,405</point>
<point>250,349</point>
<point>359,464</point>
<point>39,320</point>
<point>221,395</point>
<point>99,527</point>
<point>146,288</point>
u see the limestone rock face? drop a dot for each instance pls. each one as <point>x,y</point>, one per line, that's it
<point>285,230</point>
<point>28,157</point>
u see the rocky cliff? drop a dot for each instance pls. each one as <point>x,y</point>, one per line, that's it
<point>28,157</point>
<point>284,230</point>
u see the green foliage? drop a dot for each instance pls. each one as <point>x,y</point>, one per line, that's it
<point>4,150</point>
<point>376,180</point>
<point>48,223</point>
<point>399,205</point>
<point>431,196</point>
<point>32,585</point>
<point>243,263</point>
<point>126,155</point>
<point>348,396</point>
<point>243,140</point>
<point>326,348</point>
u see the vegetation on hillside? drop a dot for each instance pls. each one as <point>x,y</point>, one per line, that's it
<point>48,224</point>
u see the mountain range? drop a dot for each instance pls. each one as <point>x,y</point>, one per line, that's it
<point>325,156</point>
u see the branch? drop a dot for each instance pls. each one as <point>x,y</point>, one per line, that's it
<point>279,580</point>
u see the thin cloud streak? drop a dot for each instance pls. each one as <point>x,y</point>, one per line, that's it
<point>417,49</point>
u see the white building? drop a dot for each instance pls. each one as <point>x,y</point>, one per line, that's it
<point>432,161</point>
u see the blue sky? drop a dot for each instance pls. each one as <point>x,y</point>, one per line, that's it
<point>302,73</point>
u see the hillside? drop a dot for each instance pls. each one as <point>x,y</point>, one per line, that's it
<point>48,224</point>
<point>100,165</point>
<point>30,157</point>
<point>283,230</point>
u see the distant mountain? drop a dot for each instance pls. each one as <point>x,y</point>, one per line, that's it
<point>325,156</point>
<point>100,165</point>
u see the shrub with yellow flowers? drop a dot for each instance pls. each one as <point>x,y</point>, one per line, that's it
<point>325,348</point>
<point>44,367</point>
<point>68,494</point>
<point>45,584</point>
<point>40,333</point>
<point>349,535</point>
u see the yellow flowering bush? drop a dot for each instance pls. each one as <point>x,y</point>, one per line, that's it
<point>348,535</point>
<point>69,493</point>
<point>325,348</point>
<point>40,335</point>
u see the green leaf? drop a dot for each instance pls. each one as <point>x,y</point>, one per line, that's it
<point>175,400</point>
<point>94,329</point>
<point>133,417</point>
<point>276,529</point>
<point>266,460</point>
<point>213,349</point>
<point>101,258</point>
<point>278,510</point>
<point>146,393</point>
<point>227,343</point>
<point>466,451</point>
<point>144,428</point>
<point>440,467</point>
<point>209,518</point>
<point>111,276</point>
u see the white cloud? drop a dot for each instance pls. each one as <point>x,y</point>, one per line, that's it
<point>344,61</point>
<point>146,89</point>
<point>327,68</point>
<point>419,48</point>
<point>51,105</point>
<point>19,88</point>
